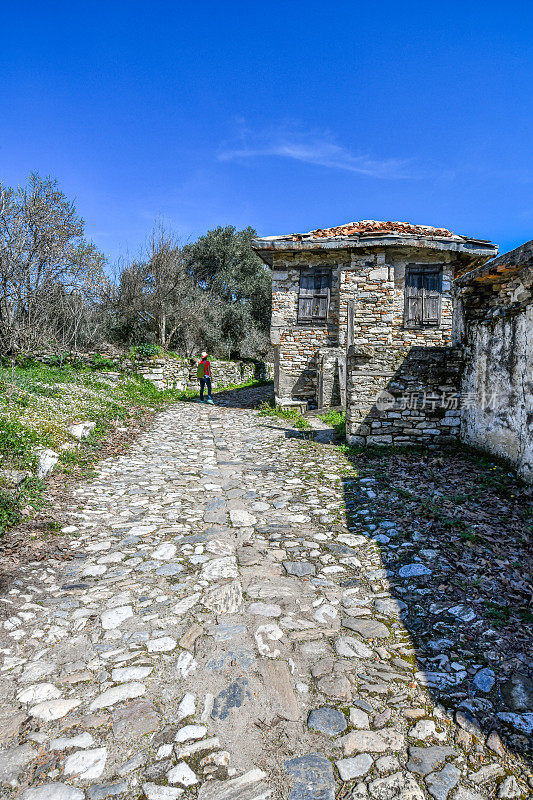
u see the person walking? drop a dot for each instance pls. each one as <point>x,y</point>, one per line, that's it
<point>204,376</point>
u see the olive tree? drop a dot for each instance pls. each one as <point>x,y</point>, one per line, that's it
<point>226,268</point>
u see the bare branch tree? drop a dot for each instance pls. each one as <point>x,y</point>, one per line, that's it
<point>160,295</point>
<point>44,257</point>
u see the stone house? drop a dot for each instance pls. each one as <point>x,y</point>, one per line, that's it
<point>377,290</point>
<point>494,324</point>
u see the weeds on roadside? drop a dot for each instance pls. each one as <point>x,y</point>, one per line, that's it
<point>17,443</point>
<point>9,510</point>
<point>337,420</point>
<point>498,614</point>
<point>12,502</point>
<point>290,414</point>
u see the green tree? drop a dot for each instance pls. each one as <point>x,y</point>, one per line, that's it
<point>224,266</point>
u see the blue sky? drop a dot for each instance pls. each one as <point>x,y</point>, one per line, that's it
<point>284,116</point>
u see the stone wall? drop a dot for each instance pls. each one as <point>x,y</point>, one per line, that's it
<point>296,345</point>
<point>374,290</point>
<point>399,379</point>
<point>405,390</point>
<point>368,286</point>
<point>402,397</point>
<point>495,323</point>
<point>166,372</point>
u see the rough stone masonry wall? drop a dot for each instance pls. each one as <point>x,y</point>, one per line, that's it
<point>376,284</point>
<point>496,325</point>
<point>166,373</point>
<point>373,282</point>
<point>411,399</point>
<point>417,368</point>
<point>296,346</point>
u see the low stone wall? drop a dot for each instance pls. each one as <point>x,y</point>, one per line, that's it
<point>403,396</point>
<point>164,372</point>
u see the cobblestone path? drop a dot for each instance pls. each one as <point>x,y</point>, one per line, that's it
<point>219,633</point>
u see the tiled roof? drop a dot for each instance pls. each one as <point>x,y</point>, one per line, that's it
<point>374,233</point>
<point>377,226</point>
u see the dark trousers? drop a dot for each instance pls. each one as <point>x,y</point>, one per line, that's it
<point>205,382</point>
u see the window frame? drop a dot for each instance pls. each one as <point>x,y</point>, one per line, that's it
<point>321,292</point>
<point>427,294</point>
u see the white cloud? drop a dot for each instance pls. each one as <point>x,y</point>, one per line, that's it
<point>319,149</point>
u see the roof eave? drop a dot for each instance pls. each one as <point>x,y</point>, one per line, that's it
<point>476,248</point>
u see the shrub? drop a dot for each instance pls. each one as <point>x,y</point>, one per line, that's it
<point>9,510</point>
<point>142,351</point>
<point>101,362</point>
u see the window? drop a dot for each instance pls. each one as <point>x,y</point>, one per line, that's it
<point>423,291</point>
<point>315,290</point>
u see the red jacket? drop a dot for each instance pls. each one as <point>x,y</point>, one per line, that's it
<point>207,367</point>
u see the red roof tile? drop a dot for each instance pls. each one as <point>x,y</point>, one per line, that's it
<point>375,226</point>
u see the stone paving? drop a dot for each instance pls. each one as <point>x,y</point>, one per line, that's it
<point>219,633</point>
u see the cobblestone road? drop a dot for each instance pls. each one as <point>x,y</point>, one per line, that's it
<point>219,633</point>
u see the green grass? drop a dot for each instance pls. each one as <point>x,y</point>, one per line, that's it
<point>290,414</point>
<point>17,443</point>
<point>526,615</point>
<point>337,420</point>
<point>470,536</point>
<point>498,614</point>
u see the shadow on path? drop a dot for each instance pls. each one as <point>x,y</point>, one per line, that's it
<point>454,531</point>
<point>244,397</point>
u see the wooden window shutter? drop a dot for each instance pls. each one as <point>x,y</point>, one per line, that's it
<point>413,298</point>
<point>306,297</point>
<point>423,291</point>
<point>431,298</point>
<point>314,297</point>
